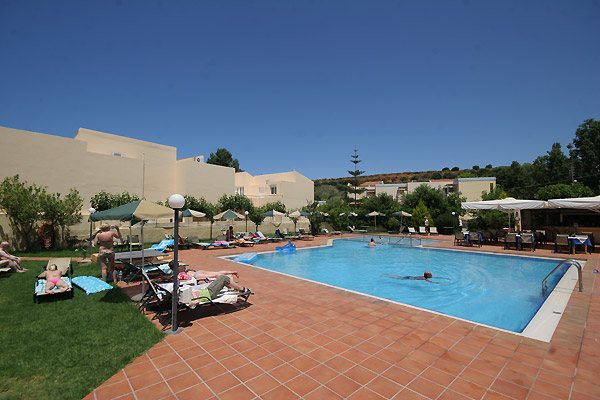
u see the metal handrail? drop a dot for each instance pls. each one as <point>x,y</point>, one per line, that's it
<point>569,261</point>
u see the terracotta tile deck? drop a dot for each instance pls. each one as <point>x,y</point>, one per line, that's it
<point>304,340</point>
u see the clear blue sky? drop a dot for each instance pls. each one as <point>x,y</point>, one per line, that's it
<point>297,85</point>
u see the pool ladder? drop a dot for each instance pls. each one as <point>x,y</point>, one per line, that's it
<point>569,261</point>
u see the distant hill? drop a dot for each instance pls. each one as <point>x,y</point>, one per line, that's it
<point>394,177</point>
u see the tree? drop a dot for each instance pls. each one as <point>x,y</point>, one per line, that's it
<point>223,157</point>
<point>105,201</point>
<point>61,213</point>
<point>334,208</point>
<point>315,217</point>
<point>327,192</point>
<point>563,191</point>
<point>354,181</point>
<point>419,213</point>
<point>455,169</point>
<point>237,202</point>
<point>436,175</point>
<point>585,153</point>
<point>20,201</point>
<point>27,205</point>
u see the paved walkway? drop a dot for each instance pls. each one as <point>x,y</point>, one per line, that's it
<point>305,340</point>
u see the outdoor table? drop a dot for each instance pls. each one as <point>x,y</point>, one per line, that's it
<point>580,240</point>
<point>137,255</point>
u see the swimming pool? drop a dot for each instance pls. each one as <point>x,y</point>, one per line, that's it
<point>496,290</point>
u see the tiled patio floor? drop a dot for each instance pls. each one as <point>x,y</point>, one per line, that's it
<point>304,340</point>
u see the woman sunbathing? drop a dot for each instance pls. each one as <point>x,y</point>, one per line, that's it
<point>53,279</point>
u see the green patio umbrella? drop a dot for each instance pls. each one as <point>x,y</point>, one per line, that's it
<point>402,214</point>
<point>187,213</point>
<point>273,213</point>
<point>136,211</point>
<point>228,215</point>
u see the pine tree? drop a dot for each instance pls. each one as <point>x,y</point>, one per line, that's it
<point>354,181</point>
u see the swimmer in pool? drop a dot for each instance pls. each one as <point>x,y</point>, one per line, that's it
<point>426,277</point>
<point>373,244</point>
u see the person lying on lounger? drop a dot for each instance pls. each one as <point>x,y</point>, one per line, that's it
<point>201,275</point>
<point>426,277</point>
<point>212,290</point>
<point>53,279</point>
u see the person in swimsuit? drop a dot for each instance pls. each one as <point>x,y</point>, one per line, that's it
<point>211,291</point>
<point>53,279</point>
<point>426,277</point>
<point>8,260</point>
<point>106,256</point>
<point>203,275</point>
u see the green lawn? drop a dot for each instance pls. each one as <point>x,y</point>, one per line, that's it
<point>63,349</point>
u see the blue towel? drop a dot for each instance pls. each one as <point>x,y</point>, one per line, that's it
<point>91,284</point>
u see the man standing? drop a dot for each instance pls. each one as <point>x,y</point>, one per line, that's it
<point>427,226</point>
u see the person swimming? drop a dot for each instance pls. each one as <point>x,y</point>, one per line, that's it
<point>427,275</point>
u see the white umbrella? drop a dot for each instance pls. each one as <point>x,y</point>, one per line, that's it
<point>375,214</point>
<point>402,214</point>
<point>587,203</point>
<point>507,205</point>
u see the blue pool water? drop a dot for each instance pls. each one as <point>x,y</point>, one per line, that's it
<point>500,291</point>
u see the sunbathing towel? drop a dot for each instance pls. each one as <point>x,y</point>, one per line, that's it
<point>91,284</point>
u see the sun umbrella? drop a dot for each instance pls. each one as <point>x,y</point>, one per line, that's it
<point>588,203</point>
<point>375,214</point>
<point>402,214</point>
<point>273,213</point>
<point>192,213</point>
<point>298,213</point>
<point>187,213</point>
<point>228,215</point>
<point>134,212</point>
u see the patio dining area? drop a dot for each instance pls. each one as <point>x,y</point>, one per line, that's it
<point>301,339</point>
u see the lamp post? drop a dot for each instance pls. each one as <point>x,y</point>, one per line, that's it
<point>91,210</point>
<point>176,202</point>
<point>246,214</point>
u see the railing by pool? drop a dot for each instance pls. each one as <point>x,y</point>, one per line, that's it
<point>398,240</point>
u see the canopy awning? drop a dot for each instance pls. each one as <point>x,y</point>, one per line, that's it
<point>508,204</point>
<point>588,203</point>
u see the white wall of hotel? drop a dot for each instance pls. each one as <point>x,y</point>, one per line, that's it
<point>93,161</point>
<point>471,188</point>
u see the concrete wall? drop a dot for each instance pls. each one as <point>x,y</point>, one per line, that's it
<point>471,188</point>
<point>204,180</point>
<point>147,169</point>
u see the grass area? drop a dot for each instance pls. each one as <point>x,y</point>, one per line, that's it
<point>66,347</point>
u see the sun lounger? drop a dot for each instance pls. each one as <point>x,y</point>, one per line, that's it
<point>433,230</point>
<point>163,245</point>
<point>354,230</point>
<point>411,231</point>
<point>62,264</point>
<point>422,230</point>
<point>132,271</point>
<point>158,297</point>
<point>244,243</point>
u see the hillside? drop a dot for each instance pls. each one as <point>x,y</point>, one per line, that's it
<point>394,177</point>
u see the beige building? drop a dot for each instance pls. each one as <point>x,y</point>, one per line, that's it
<point>93,161</point>
<point>471,188</point>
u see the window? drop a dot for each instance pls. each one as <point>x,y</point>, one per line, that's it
<point>273,189</point>
<point>239,190</point>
